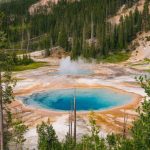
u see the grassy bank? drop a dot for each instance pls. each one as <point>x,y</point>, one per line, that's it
<point>116,57</point>
<point>33,65</point>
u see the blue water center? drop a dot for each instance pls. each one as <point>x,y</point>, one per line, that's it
<point>86,99</point>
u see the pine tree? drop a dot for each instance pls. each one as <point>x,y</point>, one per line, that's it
<point>63,39</point>
<point>146,15</point>
<point>47,139</point>
<point>121,34</point>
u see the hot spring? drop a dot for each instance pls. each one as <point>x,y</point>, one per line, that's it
<point>86,99</point>
<point>72,68</point>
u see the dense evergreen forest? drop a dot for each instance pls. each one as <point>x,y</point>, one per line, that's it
<point>80,27</point>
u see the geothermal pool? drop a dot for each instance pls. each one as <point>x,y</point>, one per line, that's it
<point>72,68</point>
<point>86,99</point>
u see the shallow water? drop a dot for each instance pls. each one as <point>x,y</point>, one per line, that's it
<point>73,72</point>
<point>87,99</point>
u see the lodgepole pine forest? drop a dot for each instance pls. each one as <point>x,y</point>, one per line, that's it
<point>80,27</point>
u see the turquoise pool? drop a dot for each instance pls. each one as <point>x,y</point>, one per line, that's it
<point>87,99</point>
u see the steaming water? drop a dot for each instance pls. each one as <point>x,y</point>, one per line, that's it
<point>69,67</point>
<point>87,99</point>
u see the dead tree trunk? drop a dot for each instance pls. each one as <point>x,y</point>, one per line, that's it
<point>22,34</point>
<point>28,34</point>
<point>69,123</point>
<point>1,115</point>
<point>83,43</point>
<point>71,119</point>
<point>125,125</point>
<point>92,27</point>
<point>75,117</point>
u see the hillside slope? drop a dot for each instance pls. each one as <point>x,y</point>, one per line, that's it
<point>141,44</point>
<point>123,11</point>
<point>142,47</point>
<point>76,26</point>
<point>42,3</point>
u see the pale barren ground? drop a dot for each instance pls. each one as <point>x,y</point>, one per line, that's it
<point>119,77</point>
<point>142,50</point>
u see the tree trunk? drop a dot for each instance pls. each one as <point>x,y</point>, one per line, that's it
<point>84,39</point>
<point>75,117</point>
<point>28,44</point>
<point>22,34</point>
<point>71,122</point>
<point>92,27</point>
<point>125,125</point>
<point>1,115</point>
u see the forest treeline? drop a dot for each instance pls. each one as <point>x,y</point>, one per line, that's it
<point>80,27</point>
